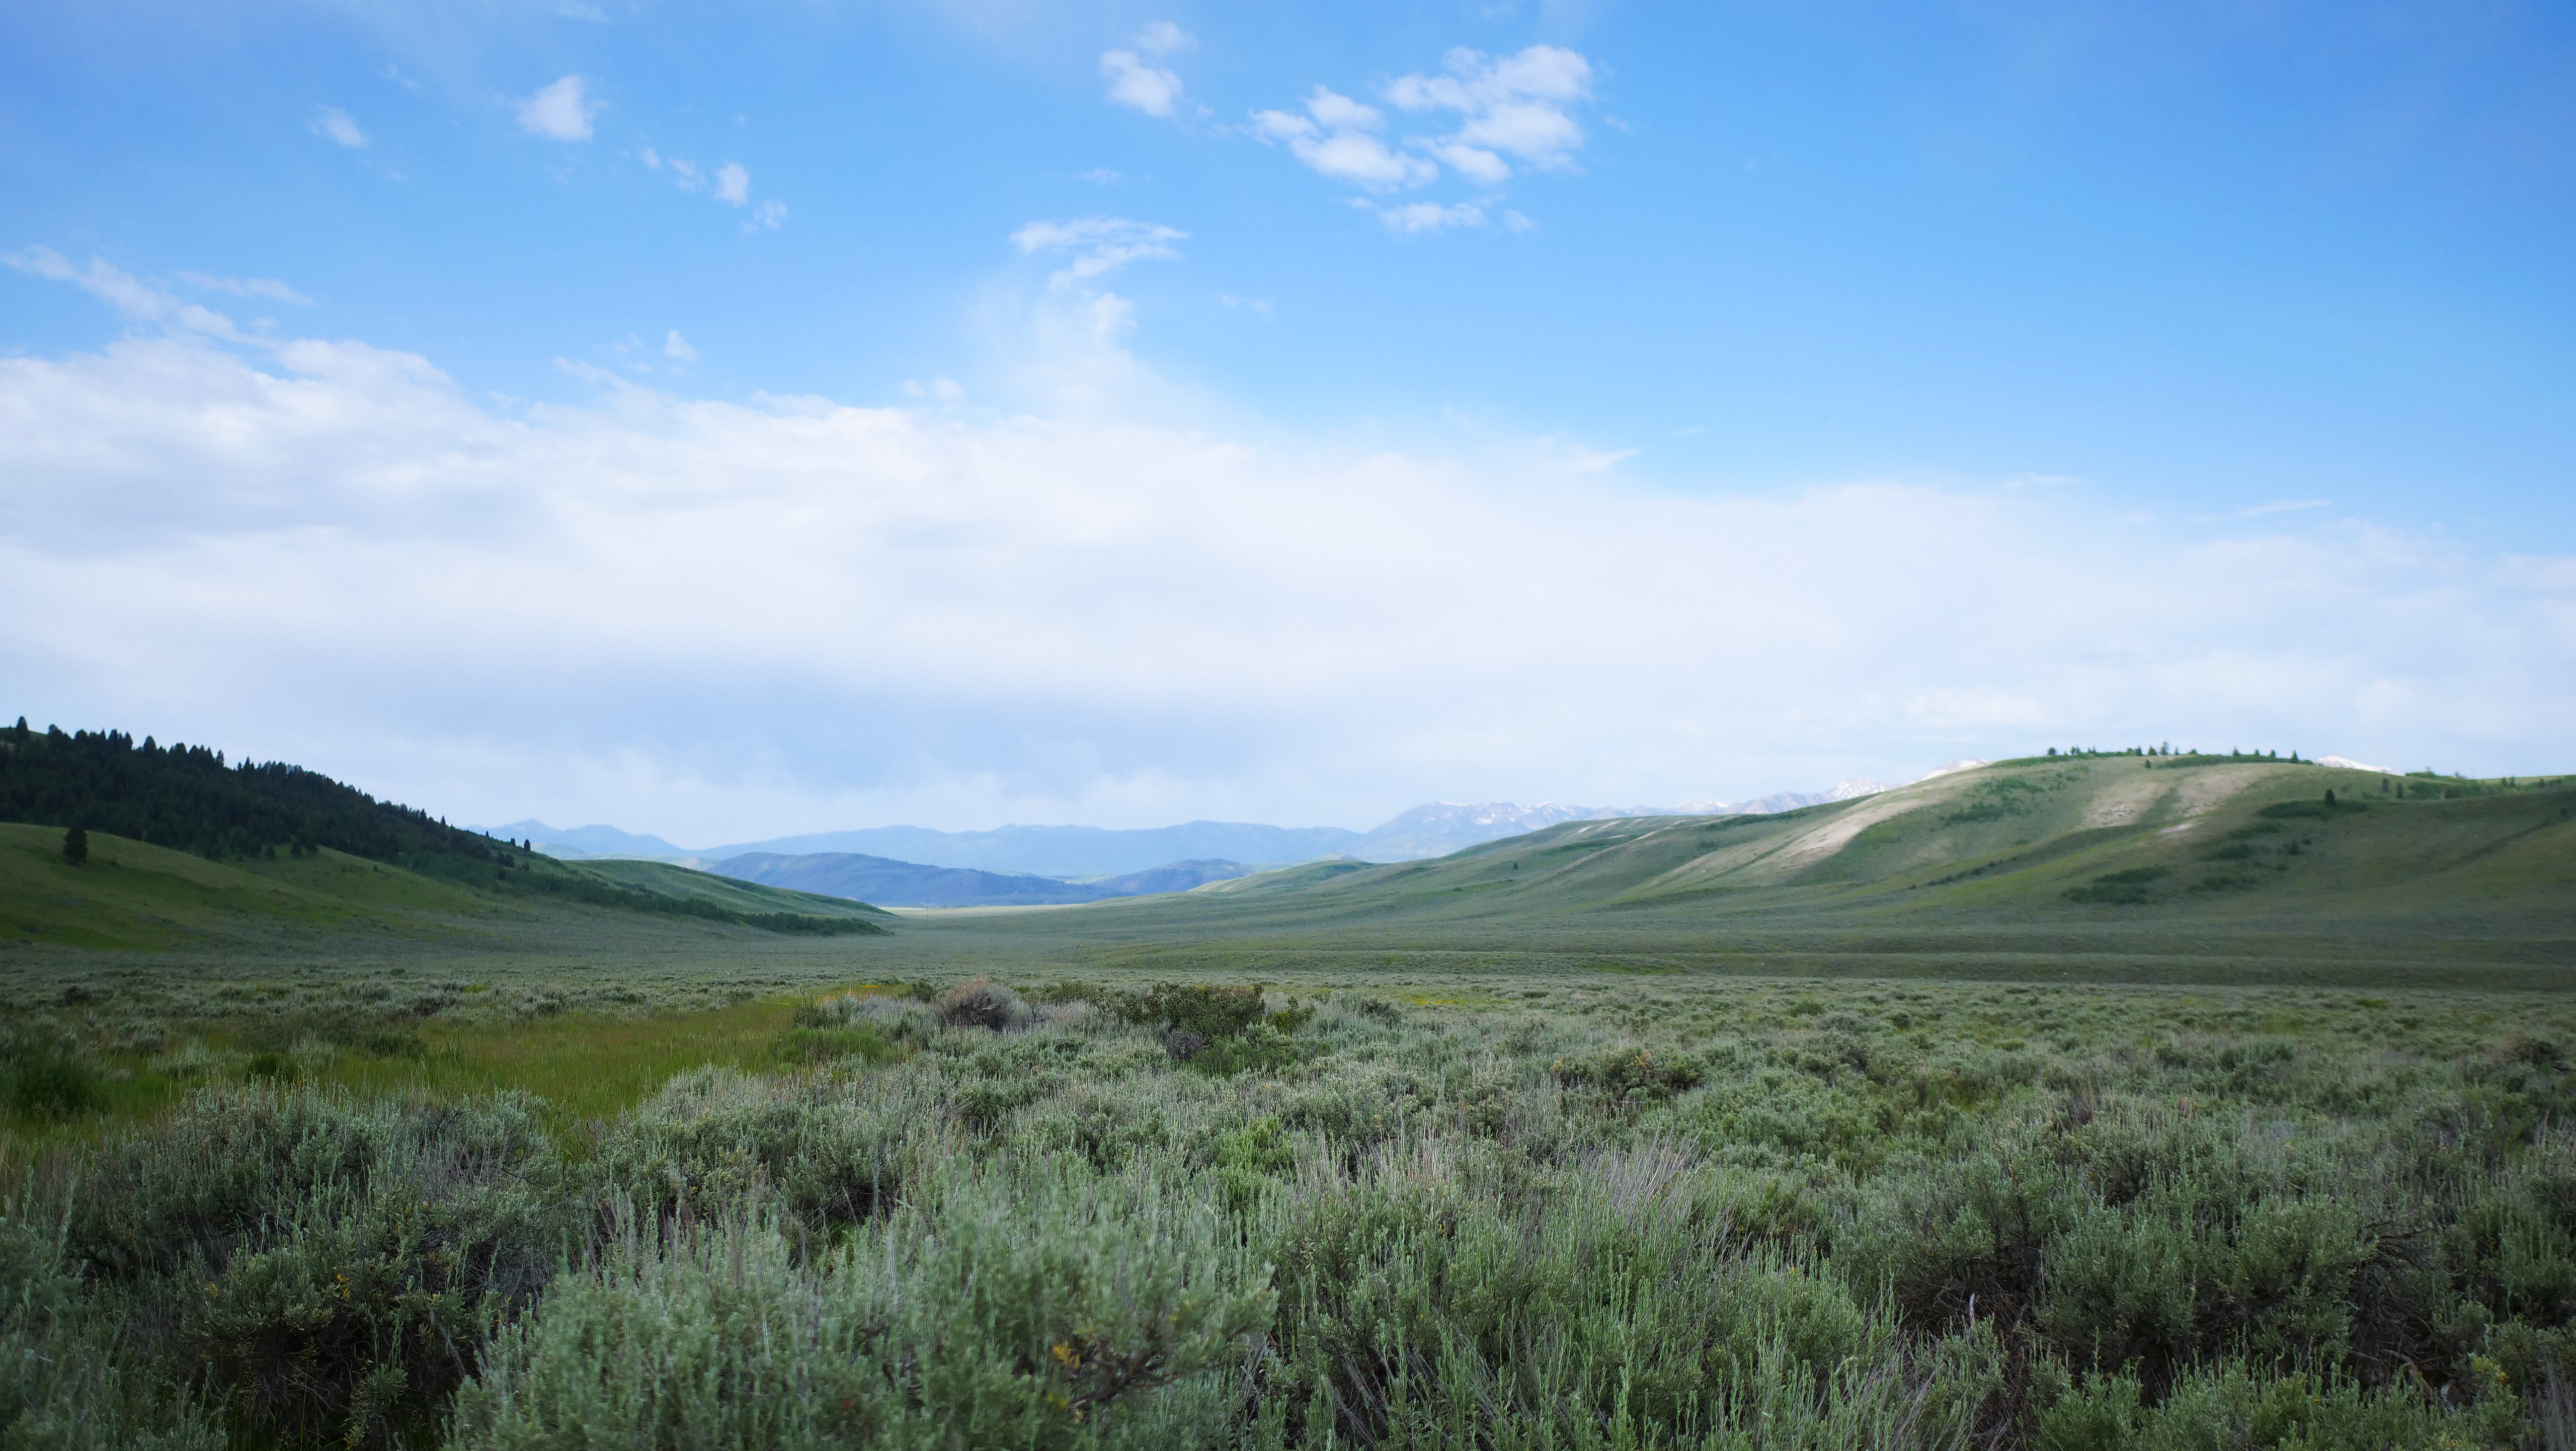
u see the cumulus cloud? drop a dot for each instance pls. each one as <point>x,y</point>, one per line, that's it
<point>1099,244</point>
<point>1520,105</point>
<point>332,123</point>
<point>676,348</point>
<point>733,184</point>
<point>769,216</point>
<point>1337,137</point>
<point>1509,110</point>
<point>559,112</point>
<point>1136,81</point>
<point>332,553</point>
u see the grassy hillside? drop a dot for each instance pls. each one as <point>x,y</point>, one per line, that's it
<point>2114,841</point>
<point>135,896</point>
<point>2052,863</point>
<point>207,853</point>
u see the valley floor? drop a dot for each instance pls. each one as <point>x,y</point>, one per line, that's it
<point>1492,1198</point>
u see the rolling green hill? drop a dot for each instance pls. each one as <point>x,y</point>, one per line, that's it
<point>2130,858</point>
<point>145,898</point>
<point>205,852</point>
<point>136,896</point>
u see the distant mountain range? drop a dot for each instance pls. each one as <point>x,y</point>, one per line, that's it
<point>910,884</point>
<point>914,866</point>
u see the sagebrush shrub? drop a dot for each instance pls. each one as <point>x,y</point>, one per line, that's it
<point>1005,1308</point>
<point>982,1003</point>
<point>324,1268</point>
<point>70,1376</point>
<point>715,1142</point>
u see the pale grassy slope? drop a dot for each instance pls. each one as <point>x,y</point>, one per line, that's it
<point>2000,846</point>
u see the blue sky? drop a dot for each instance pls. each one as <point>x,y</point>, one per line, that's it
<point>735,422</point>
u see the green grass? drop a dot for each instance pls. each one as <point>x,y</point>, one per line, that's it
<point>130,896</point>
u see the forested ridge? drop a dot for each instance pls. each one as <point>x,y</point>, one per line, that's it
<point>187,798</point>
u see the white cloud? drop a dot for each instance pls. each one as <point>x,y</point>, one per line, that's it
<point>966,620</point>
<point>1137,82</point>
<point>1337,112</point>
<point>1519,105</point>
<point>334,124</point>
<point>1162,37</point>
<point>1335,137</point>
<point>732,187</point>
<point>1099,244</point>
<point>1515,107</point>
<point>1430,217</point>
<point>944,390</point>
<point>1134,82</point>
<point>1100,176</point>
<point>1473,162</point>
<point>677,347</point>
<point>137,300</point>
<point>559,112</point>
<point>267,287</point>
<point>1257,306</point>
<point>328,552</point>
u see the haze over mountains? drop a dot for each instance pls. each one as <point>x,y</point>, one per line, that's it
<point>915,866</point>
<point>1433,829</point>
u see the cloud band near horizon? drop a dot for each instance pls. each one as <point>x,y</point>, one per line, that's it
<point>730,620</point>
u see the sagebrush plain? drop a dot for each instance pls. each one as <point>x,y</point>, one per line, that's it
<point>2071,1105</point>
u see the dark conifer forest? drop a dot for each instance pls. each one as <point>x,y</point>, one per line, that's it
<point>187,798</point>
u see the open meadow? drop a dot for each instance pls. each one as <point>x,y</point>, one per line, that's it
<point>2003,1120</point>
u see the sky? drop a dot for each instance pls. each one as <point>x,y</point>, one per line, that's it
<point>727,422</point>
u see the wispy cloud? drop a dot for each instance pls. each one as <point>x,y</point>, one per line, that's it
<point>1099,244</point>
<point>1430,217</point>
<point>135,299</point>
<point>677,349</point>
<point>731,182</point>
<point>332,123</point>
<point>559,111</point>
<point>261,287</point>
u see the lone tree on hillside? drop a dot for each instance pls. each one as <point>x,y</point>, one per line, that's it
<point>76,845</point>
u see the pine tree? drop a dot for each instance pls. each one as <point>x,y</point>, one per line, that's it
<point>76,845</point>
